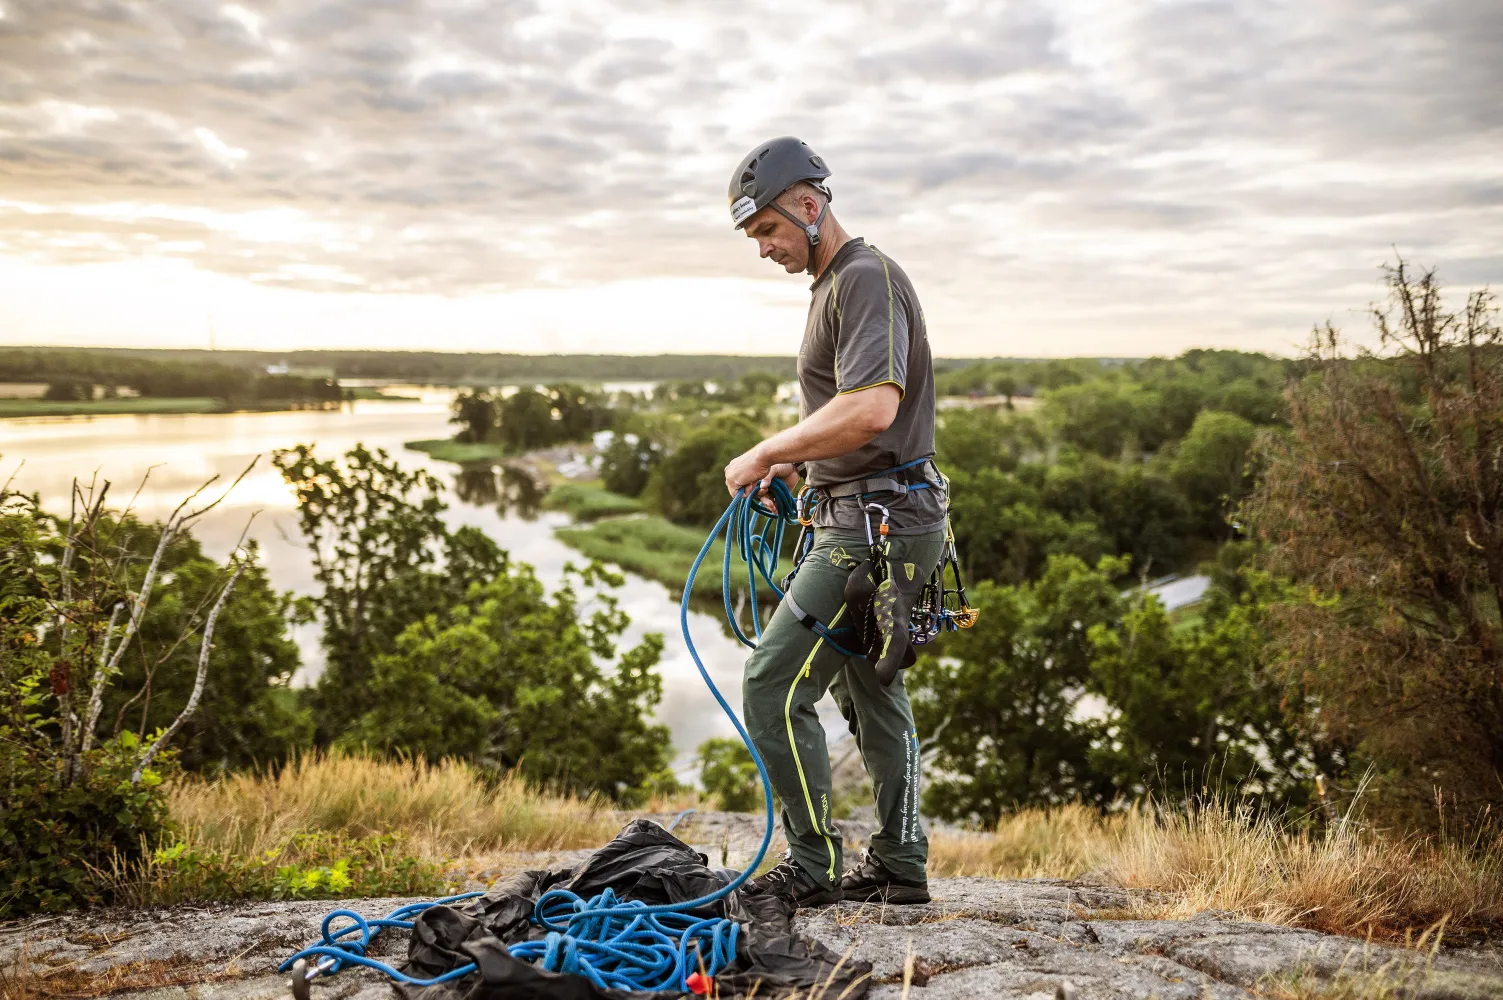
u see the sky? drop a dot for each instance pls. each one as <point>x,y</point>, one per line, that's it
<point>1076,177</point>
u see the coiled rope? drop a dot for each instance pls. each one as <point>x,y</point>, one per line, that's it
<point>615,943</point>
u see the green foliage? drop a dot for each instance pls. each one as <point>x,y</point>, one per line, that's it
<point>688,486</point>
<point>510,680</point>
<point>475,412</point>
<point>60,834</point>
<point>729,775</point>
<point>586,502</point>
<point>248,714</point>
<point>472,659</point>
<point>758,384</point>
<point>973,440</point>
<point>77,795</point>
<point>1195,708</point>
<point>1211,466</point>
<point>311,865</point>
<point>627,463</point>
<point>378,539</point>
<point>1006,533</point>
<point>652,547</point>
<point>69,390</point>
<point>996,703</point>
<point>73,373</point>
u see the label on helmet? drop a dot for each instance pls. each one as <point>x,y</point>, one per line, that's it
<point>742,209</point>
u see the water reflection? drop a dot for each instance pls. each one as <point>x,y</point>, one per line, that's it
<point>512,491</point>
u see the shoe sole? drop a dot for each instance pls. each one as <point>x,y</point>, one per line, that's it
<point>898,895</point>
<point>818,900</point>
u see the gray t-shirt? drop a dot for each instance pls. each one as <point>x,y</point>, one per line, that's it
<point>865,329</point>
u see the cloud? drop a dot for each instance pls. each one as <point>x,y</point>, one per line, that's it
<point>1205,169</point>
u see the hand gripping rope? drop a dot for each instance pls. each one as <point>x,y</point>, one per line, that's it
<point>615,943</point>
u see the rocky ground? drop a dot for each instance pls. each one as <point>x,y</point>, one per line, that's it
<point>979,938</point>
<point>1023,938</point>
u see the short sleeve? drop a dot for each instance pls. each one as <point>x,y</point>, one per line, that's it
<point>871,346</point>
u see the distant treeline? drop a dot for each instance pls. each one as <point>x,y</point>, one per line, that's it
<point>71,374</point>
<point>417,366</point>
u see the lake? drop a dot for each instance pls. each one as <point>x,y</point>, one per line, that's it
<point>181,451</point>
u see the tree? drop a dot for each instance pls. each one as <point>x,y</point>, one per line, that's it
<point>759,385</point>
<point>996,704</point>
<point>377,539</point>
<point>688,486</point>
<point>1196,708</point>
<point>509,680</point>
<point>526,418</point>
<point>1211,467</point>
<point>1386,498</point>
<point>729,775</point>
<point>1006,533</point>
<point>69,390</point>
<point>1143,513</point>
<point>627,462</point>
<point>475,411</point>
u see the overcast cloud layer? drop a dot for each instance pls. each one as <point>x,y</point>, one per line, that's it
<point>1058,178</point>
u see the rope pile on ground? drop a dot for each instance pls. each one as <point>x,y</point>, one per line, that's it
<point>615,943</point>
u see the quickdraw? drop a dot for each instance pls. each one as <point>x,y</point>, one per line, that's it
<point>939,608</point>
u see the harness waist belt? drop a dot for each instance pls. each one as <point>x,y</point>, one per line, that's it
<point>900,481</point>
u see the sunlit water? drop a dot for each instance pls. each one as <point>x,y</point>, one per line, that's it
<point>181,452</point>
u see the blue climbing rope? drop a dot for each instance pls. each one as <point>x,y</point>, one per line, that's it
<point>615,943</point>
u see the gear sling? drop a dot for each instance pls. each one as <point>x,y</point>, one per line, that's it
<point>892,610</point>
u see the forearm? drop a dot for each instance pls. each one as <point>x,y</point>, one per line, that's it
<point>839,427</point>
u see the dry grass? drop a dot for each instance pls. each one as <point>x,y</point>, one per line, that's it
<point>1219,857</point>
<point>1031,843</point>
<point>441,811</point>
<point>1213,856</point>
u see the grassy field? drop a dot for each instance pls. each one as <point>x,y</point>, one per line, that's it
<point>589,501</point>
<point>136,404</point>
<point>329,826</point>
<point>450,450</point>
<point>406,826</point>
<point>653,547</point>
<point>1223,858</point>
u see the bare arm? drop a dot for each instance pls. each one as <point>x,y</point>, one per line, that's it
<point>839,427</point>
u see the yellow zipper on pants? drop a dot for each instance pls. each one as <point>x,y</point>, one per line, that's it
<point>793,744</point>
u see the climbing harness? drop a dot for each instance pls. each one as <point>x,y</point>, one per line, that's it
<point>890,611</point>
<point>626,944</point>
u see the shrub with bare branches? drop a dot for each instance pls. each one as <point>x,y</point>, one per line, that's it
<point>73,599</point>
<point>1386,498</point>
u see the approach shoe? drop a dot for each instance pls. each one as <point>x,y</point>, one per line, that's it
<point>871,882</point>
<point>788,880</point>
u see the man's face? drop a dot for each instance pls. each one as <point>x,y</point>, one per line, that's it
<point>778,239</point>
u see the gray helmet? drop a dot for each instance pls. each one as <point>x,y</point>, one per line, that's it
<point>770,169</point>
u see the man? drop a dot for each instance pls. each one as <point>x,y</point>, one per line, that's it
<point>866,385</point>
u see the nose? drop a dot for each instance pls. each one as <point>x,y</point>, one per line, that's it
<point>766,248</point>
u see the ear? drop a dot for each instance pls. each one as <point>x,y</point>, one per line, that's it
<point>810,207</point>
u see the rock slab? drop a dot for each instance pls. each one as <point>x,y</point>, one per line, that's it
<point>978,938</point>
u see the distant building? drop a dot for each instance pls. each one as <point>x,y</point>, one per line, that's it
<point>280,368</point>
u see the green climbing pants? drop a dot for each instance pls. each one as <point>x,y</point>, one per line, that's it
<point>789,672</point>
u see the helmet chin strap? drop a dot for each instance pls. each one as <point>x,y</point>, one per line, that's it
<point>811,229</point>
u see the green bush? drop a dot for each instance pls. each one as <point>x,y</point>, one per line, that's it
<point>59,839</point>
<point>312,865</point>
<point>626,464</point>
<point>688,486</point>
<point>729,775</point>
